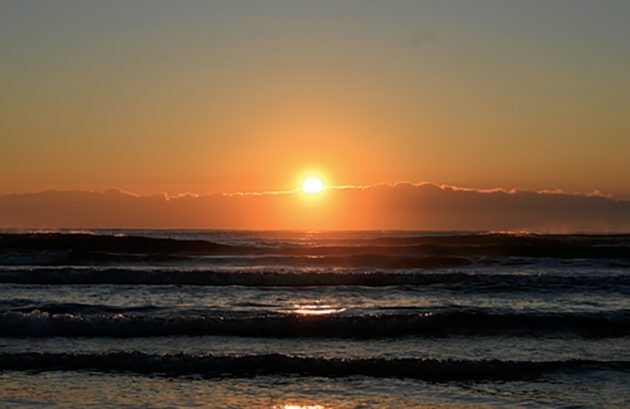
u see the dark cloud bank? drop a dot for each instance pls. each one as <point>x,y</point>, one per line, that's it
<point>400,206</point>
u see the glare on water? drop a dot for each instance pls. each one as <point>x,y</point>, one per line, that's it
<point>315,309</point>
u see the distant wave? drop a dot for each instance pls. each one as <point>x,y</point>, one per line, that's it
<point>278,364</point>
<point>480,322</point>
<point>29,306</point>
<point>394,252</point>
<point>71,258</point>
<point>107,243</point>
<point>470,281</point>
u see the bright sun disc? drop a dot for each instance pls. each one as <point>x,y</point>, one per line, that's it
<point>312,185</point>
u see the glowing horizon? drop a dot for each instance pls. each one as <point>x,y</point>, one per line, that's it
<point>156,97</point>
<point>402,206</point>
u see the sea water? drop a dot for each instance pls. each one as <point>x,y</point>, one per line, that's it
<point>220,319</point>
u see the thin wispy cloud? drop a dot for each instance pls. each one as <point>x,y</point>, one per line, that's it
<point>403,205</point>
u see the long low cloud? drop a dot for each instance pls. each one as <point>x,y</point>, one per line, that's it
<point>400,206</point>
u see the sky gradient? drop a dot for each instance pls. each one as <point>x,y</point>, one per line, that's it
<point>241,96</point>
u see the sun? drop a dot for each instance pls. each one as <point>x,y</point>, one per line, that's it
<point>312,185</point>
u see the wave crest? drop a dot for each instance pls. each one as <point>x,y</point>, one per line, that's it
<point>313,278</point>
<point>428,324</point>
<point>278,364</point>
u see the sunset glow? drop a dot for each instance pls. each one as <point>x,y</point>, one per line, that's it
<point>312,185</point>
<point>315,204</point>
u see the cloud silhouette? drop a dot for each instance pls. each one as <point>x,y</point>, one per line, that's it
<point>421,206</point>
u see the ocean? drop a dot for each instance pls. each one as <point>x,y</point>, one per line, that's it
<point>313,320</point>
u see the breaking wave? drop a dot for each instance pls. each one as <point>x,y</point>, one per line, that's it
<point>479,322</point>
<point>311,278</point>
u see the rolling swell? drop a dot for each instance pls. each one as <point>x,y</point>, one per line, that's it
<point>429,324</point>
<point>291,278</point>
<point>279,364</point>
<point>73,258</point>
<point>64,249</point>
<point>107,243</point>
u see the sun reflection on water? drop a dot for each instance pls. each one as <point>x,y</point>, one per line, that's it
<point>315,309</point>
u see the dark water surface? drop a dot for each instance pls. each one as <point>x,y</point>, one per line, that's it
<point>313,320</point>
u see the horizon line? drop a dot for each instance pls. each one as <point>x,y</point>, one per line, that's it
<point>441,186</point>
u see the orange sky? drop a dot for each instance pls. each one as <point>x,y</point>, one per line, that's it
<point>156,96</point>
